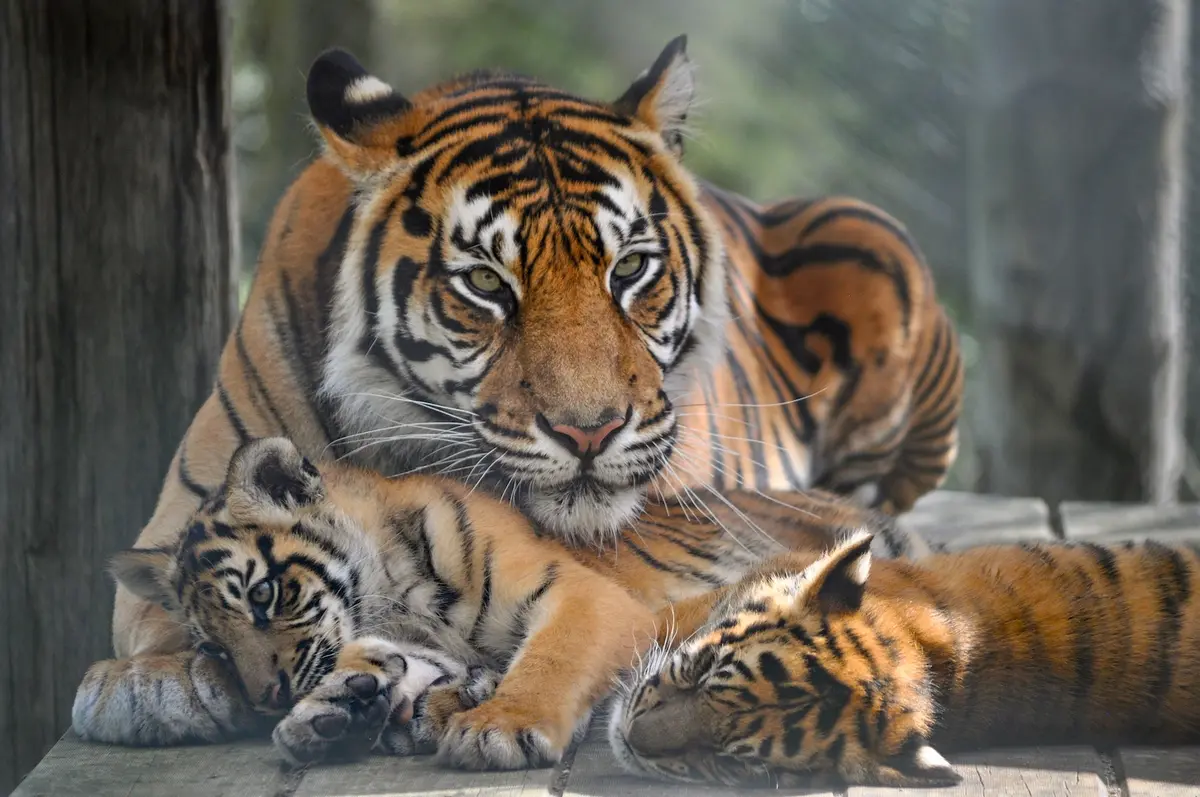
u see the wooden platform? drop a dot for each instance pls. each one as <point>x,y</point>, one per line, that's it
<point>948,520</point>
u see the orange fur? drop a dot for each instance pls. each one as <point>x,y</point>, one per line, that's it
<point>811,666</point>
<point>838,368</point>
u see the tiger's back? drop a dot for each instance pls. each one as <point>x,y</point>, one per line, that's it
<point>1066,643</point>
<point>835,665</point>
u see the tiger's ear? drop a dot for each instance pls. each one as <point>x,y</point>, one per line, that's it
<point>662,95</point>
<point>269,480</point>
<point>147,573</point>
<point>837,581</point>
<point>358,115</point>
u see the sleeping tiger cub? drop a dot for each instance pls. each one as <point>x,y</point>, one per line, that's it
<point>831,668</point>
<point>337,597</point>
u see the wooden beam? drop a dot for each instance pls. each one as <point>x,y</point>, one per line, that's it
<point>1077,173</point>
<point>115,299</point>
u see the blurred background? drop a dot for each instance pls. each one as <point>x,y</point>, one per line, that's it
<point>874,98</point>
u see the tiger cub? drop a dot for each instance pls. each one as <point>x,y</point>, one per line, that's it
<point>813,666</point>
<point>375,613</point>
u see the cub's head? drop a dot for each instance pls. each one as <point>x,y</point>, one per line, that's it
<point>262,576</point>
<point>529,281</point>
<point>790,682</point>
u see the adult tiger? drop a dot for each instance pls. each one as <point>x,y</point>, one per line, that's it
<point>508,283</point>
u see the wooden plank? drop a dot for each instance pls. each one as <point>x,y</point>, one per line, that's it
<point>116,272</point>
<point>951,521</point>
<point>1161,773</point>
<point>1112,522</point>
<point>74,767</point>
<point>1048,772</point>
<point>383,776</point>
<point>595,773</point>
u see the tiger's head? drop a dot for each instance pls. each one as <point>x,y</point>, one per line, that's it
<point>265,576</point>
<point>529,282</point>
<point>789,682</point>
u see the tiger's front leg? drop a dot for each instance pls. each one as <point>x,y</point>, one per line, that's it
<point>162,700</point>
<point>372,685</point>
<point>580,640</point>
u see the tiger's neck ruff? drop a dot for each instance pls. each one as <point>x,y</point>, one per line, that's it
<point>529,284</point>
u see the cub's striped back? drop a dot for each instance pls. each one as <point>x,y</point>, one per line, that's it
<point>814,665</point>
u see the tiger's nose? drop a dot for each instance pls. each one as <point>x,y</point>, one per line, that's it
<point>279,695</point>
<point>586,440</point>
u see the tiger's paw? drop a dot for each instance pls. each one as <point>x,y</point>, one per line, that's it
<point>499,735</point>
<point>418,726</point>
<point>345,715</point>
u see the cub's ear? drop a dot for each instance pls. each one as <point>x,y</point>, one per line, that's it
<point>918,765</point>
<point>359,116</point>
<point>662,95</point>
<point>269,479</point>
<point>837,581</point>
<point>147,573</point>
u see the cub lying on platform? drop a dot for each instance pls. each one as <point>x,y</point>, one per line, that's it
<point>340,597</point>
<point>813,667</point>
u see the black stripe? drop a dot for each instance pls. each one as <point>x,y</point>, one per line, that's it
<point>520,626</point>
<point>259,396</point>
<point>235,420</point>
<point>485,599</point>
<point>467,532</point>
<point>672,567</point>
<point>1172,582</point>
<point>185,476</point>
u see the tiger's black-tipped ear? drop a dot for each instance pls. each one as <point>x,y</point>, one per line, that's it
<point>358,114</point>
<point>146,572</point>
<point>662,95</point>
<point>837,581</point>
<point>270,478</point>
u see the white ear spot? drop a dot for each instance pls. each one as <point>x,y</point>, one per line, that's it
<point>859,569</point>
<point>928,758</point>
<point>366,89</point>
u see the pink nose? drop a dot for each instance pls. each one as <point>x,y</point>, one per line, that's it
<point>588,439</point>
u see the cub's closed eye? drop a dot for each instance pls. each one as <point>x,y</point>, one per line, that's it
<point>212,650</point>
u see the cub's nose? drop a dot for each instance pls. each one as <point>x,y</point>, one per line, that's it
<point>279,695</point>
<point>585,440</point>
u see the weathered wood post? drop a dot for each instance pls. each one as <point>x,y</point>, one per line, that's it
<point>115,298</point>
<point>1077,192</point>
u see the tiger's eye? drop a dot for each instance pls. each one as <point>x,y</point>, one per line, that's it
<point>261,592</point>
<point>485,280</point>
<point>629,266</point>
<point>212,650</point>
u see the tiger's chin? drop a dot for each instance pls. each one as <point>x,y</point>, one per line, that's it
<point>584,511</point>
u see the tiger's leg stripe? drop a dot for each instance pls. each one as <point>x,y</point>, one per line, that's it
<point>185,474</point>
<point>260,397</point>
<point>289,334</point>
<point>231,414</point>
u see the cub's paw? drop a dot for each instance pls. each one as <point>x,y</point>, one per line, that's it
<point>345,714</point>
<point>418,725</point>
